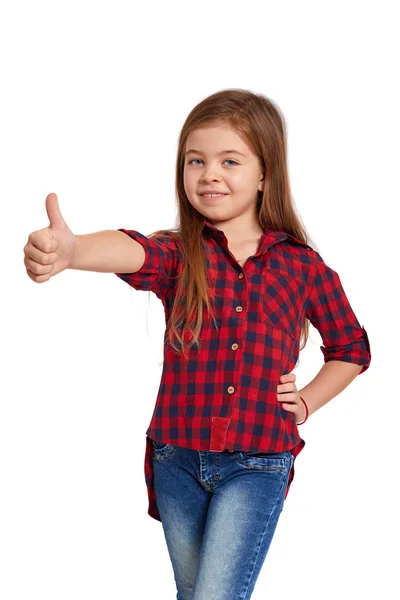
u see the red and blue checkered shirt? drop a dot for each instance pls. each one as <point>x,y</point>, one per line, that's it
<point>225,397</point>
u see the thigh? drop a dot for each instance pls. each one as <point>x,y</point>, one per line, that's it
<point>183,505</point>
<point>241,521</point>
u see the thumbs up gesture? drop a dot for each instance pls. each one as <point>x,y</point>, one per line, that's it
<point>50,250</point>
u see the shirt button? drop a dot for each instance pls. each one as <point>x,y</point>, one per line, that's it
<point>231,389</point>
<point>241,275</point>
<point>239,308</point>
<point>235,346</point>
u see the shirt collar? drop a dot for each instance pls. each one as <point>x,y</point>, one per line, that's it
<point>269,237</point>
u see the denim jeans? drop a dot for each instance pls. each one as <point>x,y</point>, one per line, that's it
<point>219,512</point>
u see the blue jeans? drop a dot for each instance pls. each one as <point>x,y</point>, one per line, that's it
<point>219,512</point>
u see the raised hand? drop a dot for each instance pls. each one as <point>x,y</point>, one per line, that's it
<point>50,250</point>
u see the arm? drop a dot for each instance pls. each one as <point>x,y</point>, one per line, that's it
<point>345,348</point>
<point>107,251</point>
<point>332,379</point>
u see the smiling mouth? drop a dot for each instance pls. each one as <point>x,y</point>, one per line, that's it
<point>213,196</point>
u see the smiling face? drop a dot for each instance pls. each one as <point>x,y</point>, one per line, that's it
<point>210,167</point>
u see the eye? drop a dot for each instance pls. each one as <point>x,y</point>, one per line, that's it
<point>228,159</point>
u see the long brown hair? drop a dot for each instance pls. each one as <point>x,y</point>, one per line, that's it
<point>260,122</point>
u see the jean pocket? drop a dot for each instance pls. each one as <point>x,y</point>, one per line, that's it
<point>264,461</point>
<point>162,450</point>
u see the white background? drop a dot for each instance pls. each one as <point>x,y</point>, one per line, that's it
<point>93,96</point>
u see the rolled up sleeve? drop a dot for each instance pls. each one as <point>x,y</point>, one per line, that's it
<point>331,314</point>
<point>159,270</point>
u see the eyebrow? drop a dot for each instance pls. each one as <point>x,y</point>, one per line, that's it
<point>219,153</point>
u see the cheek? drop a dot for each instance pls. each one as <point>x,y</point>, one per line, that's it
<point>238,183</point>
<point>189,183</point>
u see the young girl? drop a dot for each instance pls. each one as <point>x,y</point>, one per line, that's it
<point>239,284</point>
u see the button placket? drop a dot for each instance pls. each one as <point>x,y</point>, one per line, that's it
<point>235,346</point>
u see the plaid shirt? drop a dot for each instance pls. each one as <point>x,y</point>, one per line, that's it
<point>225,397</point>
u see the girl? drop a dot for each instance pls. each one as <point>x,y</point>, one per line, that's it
<point>239,283</point>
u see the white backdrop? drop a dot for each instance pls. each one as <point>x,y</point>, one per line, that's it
<point>93,98</point>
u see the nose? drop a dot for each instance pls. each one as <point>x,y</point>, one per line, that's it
<point>210,174</point>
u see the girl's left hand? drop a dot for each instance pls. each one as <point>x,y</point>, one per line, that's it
<point>290,397</point>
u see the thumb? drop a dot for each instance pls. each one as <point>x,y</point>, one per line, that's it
<point>53,212</point>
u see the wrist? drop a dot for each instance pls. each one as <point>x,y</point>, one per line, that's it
<point>307,412</point>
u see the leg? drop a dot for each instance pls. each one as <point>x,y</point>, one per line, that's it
<point>241,521</point>
<point>183,504</point>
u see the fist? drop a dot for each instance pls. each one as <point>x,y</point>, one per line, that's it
<point>50,250</point>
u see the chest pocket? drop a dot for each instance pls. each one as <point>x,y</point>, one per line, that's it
<point>282,298</point>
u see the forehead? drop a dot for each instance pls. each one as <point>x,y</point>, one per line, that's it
<point>216,137</point>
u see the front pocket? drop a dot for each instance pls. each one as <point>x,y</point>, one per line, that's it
<point>159,445</point>
<point>161,450</point>
<point>263,461</point>
<point>281,301</point>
